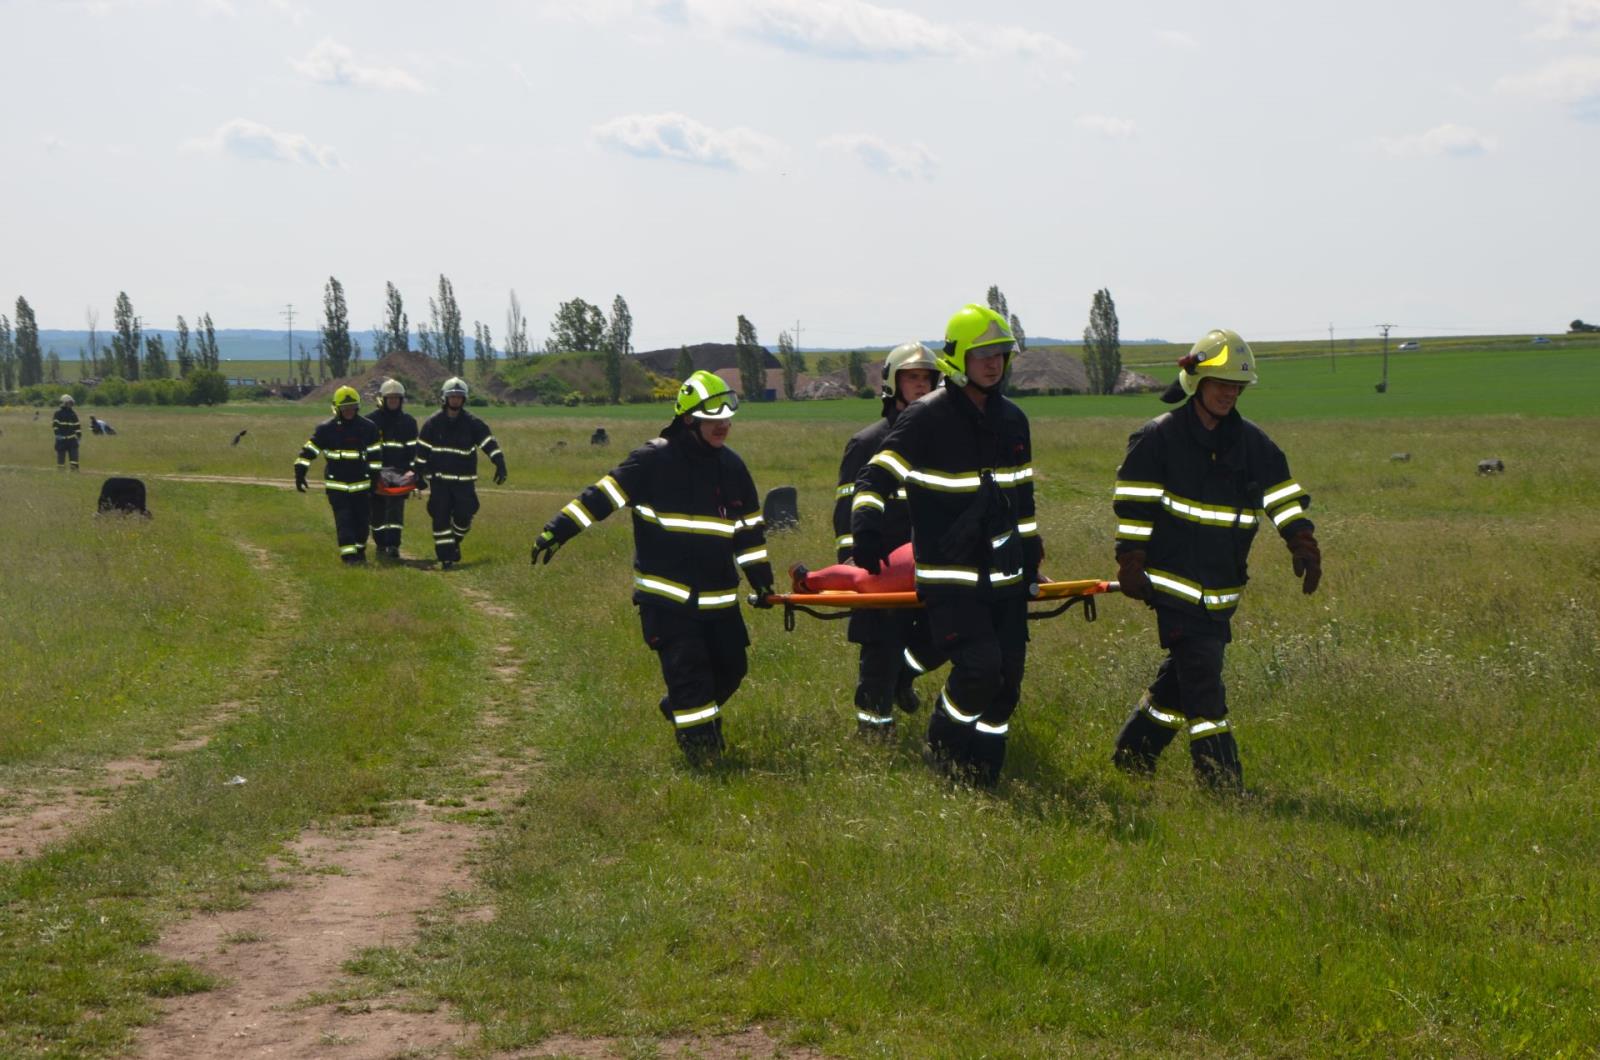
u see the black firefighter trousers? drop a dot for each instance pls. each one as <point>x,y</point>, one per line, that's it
<point>896,648</point>
<point>703,662</point>
<point>352,516</point>
<point>1187,693</point>
<point>388,520</point>
<point>452,505</point>
<point>67,449</point>
<point>987,644</point>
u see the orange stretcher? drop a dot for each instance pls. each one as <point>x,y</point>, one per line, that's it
<point>836,605</point>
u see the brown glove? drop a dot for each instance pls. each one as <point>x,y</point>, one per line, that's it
<point>1131,578</point>
<point>1307,560</point>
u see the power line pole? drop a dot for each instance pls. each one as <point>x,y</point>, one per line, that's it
<point>1383,387</point>
<point>1333,365</point>
<point>288,314</point>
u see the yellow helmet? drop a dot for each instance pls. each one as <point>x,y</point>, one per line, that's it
<point>908,356</point>
<point>345,395</point>
<point>973,327</point>
<point>705,396</point>
<point>1220,354</point>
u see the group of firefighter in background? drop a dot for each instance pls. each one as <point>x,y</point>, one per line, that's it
<point>937,496</point>
<point>370,464</point>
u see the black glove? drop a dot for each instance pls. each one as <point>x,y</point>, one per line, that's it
<point>1131,578</point>
<point>545,544</point>
<point>868,552</point>
<point>1307,560</point>
<point>499,472</point>
<point>421,482</point>
<point>763,597</point>
<point>300,477</point>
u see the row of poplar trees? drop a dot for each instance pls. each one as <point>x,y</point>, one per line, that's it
<point>130,354</point>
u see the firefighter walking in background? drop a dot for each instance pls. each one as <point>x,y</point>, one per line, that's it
<point>348,445</point>
<point>68,431</point>
<point>397,432</point>
<point>895,646</point>
<point>965,458</point>
<point>1194,487</point>
<point>447,466</point>
<point>696,525</point>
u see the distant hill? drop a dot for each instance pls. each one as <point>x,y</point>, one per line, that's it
<point>707,356</point>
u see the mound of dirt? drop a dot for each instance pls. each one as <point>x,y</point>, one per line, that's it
<point>420,373</point>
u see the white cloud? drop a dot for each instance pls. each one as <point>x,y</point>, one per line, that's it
<point>679,138</point>
<point>1108,127</point>
<point>1177,38</point>
<point>1565,19</point>
<point>54,144</point>
<point>331,63</point>
<point>909,161</point>
<point>1457,141</point>
<point>839,29</point>
<point>1573,82</point>
<point>252,141</point>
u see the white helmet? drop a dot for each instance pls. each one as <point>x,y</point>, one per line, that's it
<point>66,399</point>
<point>454,385</point>
<point>391,386</point>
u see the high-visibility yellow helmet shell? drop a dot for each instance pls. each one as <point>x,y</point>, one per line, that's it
<point>345,395</point>
<point>454,385</point>
<point>906,356</point>
<point>1220,354</point>
<point>706,396</point>
<point>391,387</point>
<point>973,327</point>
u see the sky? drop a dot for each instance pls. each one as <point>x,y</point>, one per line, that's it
<point>859,170</point>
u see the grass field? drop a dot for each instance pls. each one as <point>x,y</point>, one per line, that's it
<point>1416,870</point>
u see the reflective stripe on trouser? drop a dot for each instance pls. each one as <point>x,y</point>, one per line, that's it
<point>988,650</point>
<point>451,505</point>
<point>388,520</point>
<point>352,516</point>
<point>702,663</point>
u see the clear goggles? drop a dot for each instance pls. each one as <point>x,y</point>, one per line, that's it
<point>717,407</point>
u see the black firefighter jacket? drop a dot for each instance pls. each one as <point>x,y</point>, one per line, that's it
<point>65,424</point>
<point>863,446</point>
<point>349,451</point>
<point>447,447</point>
<point>968,477</point>
<point>696,523</point>
<point>398,432</point>
<point>1193,499</point>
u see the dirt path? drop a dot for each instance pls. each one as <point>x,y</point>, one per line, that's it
<point>281,961</point>
<point>65,799</point>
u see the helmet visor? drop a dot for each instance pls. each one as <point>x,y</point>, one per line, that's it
<point>717,407</point>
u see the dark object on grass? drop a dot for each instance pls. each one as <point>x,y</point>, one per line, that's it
<point>241,434</point>
<point>781,508</point>
<point>1492,466</point>
<point>1400,458</point>
<point>599,437</point>
<point>124,495</point>
<point>100,426</point>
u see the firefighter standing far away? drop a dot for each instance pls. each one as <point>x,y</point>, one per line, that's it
<point>895,646</point>
<point>965,458</point>
<point>68,431</point>
<point>348,445</point>
<point>696,525</point>
<point>397,430</point>
<point>1195,486</point>
<point>447,466</point>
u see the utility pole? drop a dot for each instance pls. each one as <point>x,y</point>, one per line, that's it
<point>1333,365</point>
<point>288,314</point>
<point>1383,387</point>
<point>797,336</point>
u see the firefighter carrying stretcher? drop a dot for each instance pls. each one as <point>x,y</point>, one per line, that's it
<point>348,445</point>
<point>894,644</point>
<point>964,456</point>
<point>696,525</point>
<point>397,431</point>
<point>447,465</point>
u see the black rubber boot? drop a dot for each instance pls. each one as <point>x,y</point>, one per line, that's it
<point>988,754</point>
<point>949,744</point>
<point>905,693</point>
<point>702,744</point>
<point>1141,741</point>
<point>1216,763</point>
